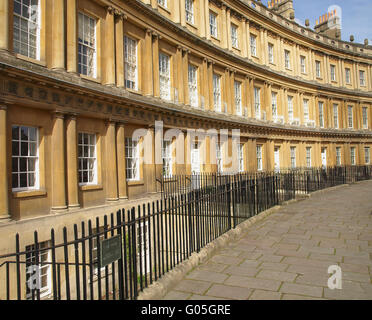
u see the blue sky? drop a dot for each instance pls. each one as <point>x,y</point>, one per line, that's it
<point>356,16</point>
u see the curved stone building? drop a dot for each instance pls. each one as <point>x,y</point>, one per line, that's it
<point>77,77</point>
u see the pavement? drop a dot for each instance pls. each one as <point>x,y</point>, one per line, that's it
<point>287,255</point>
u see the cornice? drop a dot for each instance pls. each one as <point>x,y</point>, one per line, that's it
<point>119,100</point>
<point>232,57</point>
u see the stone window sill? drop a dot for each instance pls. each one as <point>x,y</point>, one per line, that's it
<point>35,61</point>
<point>90,187</point>
<point>135,183</point>
<point>29,194</point>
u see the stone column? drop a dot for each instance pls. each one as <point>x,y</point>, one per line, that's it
<point>155,64</point>
<point>72,36</point>
<point>245,38</point>
<point>147,75</point>
<point>341,72</point>
<point>269,112</point>
<point>201,22</point>
<point>205,84</point>
<point>109,49</point>
<point>263,37</point>
<point>301,107</point>
<point>4,25</point>
<point>326,69</point>
<point>210,81</point>
<point>185,66</point>
<point>182,13</point>
<point>111,167</point>
<point>179,75</point>
<point>228,29</point>
<point>72,163</point>
<point>58,35</point>
<point>119,39</point>
<point>223,28</point>
<point>4,195</point>
<point>120,153</point>
<point>176,12</point>
<point>356,79</point>
<point>251,111</point>
<point>226,90</point>
<point>206,22</point>
<point>58,175</point>
<point>248,40</point>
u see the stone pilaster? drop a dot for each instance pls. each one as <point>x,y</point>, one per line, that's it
<point>4,195</point>
<point>71,35</point>
<point>119,41</point>
<point>71,163</point>
<point>4,25</point>
<point>111,166</point>
<point>155,64</point>
<point>120,153</point>
<point>58,176</point>
<point>108,75</point>
<point>58,35</point>
<point>147,75</point>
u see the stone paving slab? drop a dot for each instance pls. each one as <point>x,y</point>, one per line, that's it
<point>286,256</point>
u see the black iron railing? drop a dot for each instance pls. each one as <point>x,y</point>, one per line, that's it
<point>153,238</point>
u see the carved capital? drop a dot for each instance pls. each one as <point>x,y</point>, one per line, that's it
<point>110,10</point>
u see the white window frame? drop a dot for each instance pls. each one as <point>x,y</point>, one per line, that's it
<point>352,156</point>
<point>193,85</point>
<point>257,102</point>
<point>130,63</point>
<point>270,50</point>
<point>234,36</point>
<point>18,157</point>
<point>321,114</point>
<point>350,117</point>
<point>167,159</point>
<point>189,11</point>
<point>44,267</point>
<point>164,76</point>
<point>238,97</point>
<point>335,116</point>
<point>253,45</point>
<point>365,117</point>
<point>290,109</point>
<point>132,159</point>
<point>91,69</point>
<point>259,158</point>
<point>219,157</point>
<point>318,69</point>
<point>213,25</point>
<point>88,157</point>
<point>362,78</point>
<point>241,157</point>
<point>163,3</point>
<point>306,110</point>
<point>338,156</point>
<point>333,72</point>
<point>274,104</point>
<point>367,155</point>
<point>32,24</point>
<point>303,64</point>
<point>217,92</point>
<point>348,75</point>
<point>308,157</point>
<point>293,157</point>
<point>287,59</point>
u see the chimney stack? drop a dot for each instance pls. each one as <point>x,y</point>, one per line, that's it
<point>282,7</point>
<point>329,24</point>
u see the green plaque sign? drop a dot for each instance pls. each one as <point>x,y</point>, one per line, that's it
<point>110,250</point>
